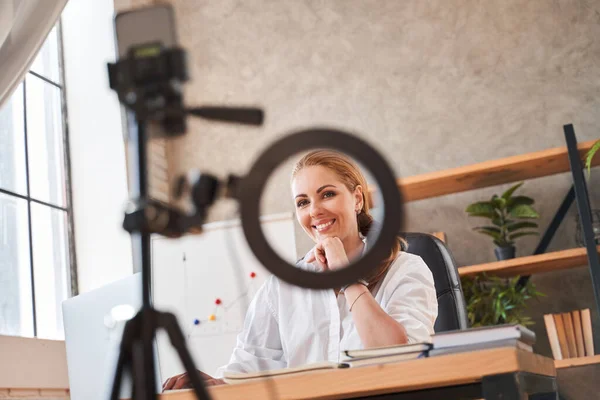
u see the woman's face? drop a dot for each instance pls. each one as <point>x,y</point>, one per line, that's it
<point>325,207</point>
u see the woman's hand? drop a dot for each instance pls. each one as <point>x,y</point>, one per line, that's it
<point>329,254</point>
<point>182,381</point>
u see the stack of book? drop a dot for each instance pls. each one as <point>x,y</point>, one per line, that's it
<point>458,341</point>
<point>385,355</point>
<point>570,334</point>
<point>486,337</point>
<point>515,336</point>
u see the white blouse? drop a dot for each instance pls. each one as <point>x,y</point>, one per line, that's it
<point>288,326</point>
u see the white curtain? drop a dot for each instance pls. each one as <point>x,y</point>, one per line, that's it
<point>24,25</point>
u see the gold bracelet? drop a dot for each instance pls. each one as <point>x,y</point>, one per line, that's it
<point>358,297</point>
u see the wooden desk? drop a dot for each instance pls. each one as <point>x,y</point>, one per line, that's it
<point>495,373</point>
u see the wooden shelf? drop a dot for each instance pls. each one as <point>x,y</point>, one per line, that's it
<point>546,262</point>
<point>490,173</point>
<point>577,362</point>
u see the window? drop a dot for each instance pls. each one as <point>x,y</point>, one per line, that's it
<point>37,268</point>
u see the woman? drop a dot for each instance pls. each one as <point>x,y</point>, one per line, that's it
<point>288,326</point>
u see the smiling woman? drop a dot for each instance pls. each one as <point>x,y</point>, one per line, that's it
<point>289,326</point>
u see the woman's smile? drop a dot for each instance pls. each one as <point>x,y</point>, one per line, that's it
<point>324,226</point>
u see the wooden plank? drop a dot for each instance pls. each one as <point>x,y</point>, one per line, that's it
<point>577,361</point>
<point>490,173</point>
<point>452,369</point>
<point>528,265</point>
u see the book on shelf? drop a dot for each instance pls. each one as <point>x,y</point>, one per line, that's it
<point>241,377</point>
<point>588,337</point>
<point>562,336</point>
<point>485,334</point>
<point>553,337</point>
<point>576,317</point>
<point>570,334</point>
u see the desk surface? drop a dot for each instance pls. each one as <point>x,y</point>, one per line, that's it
<point>439,371</point>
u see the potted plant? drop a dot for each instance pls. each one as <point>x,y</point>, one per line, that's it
<point>496,301</point>
<point>595,212</point>
<point>590,155</point>
<point>509,216</point>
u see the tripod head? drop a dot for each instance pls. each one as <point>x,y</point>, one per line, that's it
<point>149,84</point>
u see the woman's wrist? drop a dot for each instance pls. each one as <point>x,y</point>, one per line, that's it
<point>359,282</point>
<point>353,291</point>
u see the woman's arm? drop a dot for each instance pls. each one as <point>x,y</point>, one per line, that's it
<point>375,327</point>
<point>408,310</point>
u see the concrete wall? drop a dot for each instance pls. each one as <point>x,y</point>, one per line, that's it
<point>432,84</point>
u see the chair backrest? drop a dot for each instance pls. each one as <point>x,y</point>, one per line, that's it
<point>452,310</point>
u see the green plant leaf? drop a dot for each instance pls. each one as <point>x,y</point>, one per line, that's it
<point>524,211</point>
<point>521,225</point>
<point>495,235</point>
<point>499,202</point>
<point>485,215</point>
<point>506,195</point>
<point>521,234</point>
<point>482,207</point>
<point>590,156</point>
<point>518,200</point>
<point>487,229</point>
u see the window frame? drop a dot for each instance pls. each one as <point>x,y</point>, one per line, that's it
<point>72,284</point>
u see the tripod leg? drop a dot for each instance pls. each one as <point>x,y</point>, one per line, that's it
<point>147,353</point>
<point>124,361</point>
<point>140,379</point>
<point>169,322</point>
<point>121,362</point>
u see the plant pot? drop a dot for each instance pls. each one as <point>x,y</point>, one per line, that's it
<point>505,253</point>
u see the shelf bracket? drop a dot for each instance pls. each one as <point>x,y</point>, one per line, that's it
<point>585,213</point>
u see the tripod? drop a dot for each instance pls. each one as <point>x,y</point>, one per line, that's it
<point>148,82</point>
<point>136,350</point>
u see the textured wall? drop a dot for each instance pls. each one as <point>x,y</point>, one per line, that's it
<point>432,84</point>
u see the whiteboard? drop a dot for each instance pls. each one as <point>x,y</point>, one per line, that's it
<point>189,275</point>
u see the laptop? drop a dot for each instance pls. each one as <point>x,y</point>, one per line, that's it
<point>93,335</point>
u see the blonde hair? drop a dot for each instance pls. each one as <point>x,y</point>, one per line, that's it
<point>351,176</point>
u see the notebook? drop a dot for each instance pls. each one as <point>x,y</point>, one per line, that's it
<point>387,350</point>
<point>239,377</point>
<point>481,346</point>
<point>363,362</point>
<point>482,335</point>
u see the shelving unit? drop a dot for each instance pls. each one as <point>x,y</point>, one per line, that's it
<point>512,169</point>
<point>519,168</point>
<point>529,265</point>
<point>490,173</point>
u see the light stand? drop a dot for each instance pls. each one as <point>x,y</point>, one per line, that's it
<point>136,351</point>
<point>156,98</point>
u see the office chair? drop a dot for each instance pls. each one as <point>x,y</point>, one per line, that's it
<point>452,310</point>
